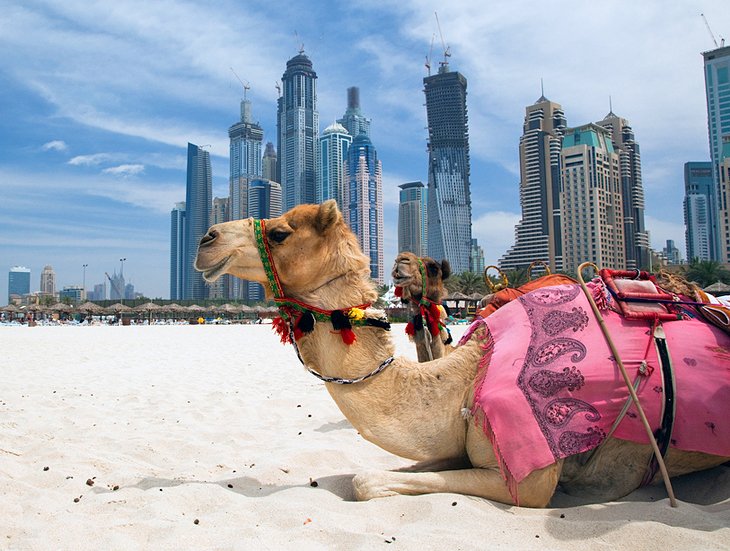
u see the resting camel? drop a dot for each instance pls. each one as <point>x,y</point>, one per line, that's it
<point>423,297</point>
<point>317,272</point>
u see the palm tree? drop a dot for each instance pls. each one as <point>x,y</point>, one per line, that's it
<point>706,272</point>
<point>467,283</point>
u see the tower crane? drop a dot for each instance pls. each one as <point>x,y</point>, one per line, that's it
<point>430,52</point>
<point>447,49</point>
<point>709,30</point>
<point>114,285</point>
<point>246,86</point>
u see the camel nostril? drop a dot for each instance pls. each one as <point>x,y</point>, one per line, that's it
<point>208,237</point>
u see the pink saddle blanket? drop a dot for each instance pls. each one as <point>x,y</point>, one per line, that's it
<point>550,387</point>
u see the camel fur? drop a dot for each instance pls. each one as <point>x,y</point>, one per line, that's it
<point>411,409</point>
<point>407,277</point>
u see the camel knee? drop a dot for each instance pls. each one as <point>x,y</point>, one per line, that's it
<point>537,489</point>
<point>370,485</point>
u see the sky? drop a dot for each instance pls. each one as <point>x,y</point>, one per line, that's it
<point>98,101</point>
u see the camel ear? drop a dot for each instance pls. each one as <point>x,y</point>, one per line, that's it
<point>328,215</point>
<point>445,269</point>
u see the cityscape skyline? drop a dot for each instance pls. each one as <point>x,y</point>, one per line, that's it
<point>94,141</point>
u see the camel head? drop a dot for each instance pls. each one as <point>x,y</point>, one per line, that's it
<point>310,246</point>
<point>407,275</point>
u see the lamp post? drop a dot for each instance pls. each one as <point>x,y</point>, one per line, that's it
<point>83,286</point>
<point>121,276</point>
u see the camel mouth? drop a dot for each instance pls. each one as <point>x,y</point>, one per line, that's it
<point>214,272</point>
<point>400,280</point>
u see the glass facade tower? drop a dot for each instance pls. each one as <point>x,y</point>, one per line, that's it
<point>698,191</point>
<point>177,251</point>
<point>333,147</point>
<point>412,218</point>
<point>298,132</point>
<point>449,195</point>
<point>198,204</point>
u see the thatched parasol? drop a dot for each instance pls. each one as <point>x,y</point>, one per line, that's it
<point>229,309</point>
<point>91,308</point>
<point>9,308</point>
<point>61,307</point>
<point>147,307</point>
<point>118,307</point>
<point>717,288</point>
<point>195,308</point>
<point>174,307</point>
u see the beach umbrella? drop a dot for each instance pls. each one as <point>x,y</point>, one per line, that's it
<point>118,308</point>
<point>195,308</point>
<point>245,308</point>
<point>717,288</point>
<point>91,308</point>
<point>147,307</point>
<point>9,308</point>
<point>228,309</point>
<point>61,307</point>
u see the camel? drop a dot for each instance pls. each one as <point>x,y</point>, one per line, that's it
<point>423,297</point>
<point>311,259</point>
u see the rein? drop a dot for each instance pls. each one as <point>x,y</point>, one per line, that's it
<point>297,318</point>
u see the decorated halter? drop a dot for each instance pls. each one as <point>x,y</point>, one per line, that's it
<point>297,318</point>
<point>429,312</point>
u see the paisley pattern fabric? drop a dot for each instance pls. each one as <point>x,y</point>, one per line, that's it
<point>550,388</point>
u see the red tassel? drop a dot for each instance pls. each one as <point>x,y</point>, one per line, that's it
<point>434,316</point>
<point>409,329</point>
<point>399,292</point>
<point>348,336</point>
<point>281,328</point>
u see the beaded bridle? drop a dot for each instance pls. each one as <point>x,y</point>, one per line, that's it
<point>297,318</point>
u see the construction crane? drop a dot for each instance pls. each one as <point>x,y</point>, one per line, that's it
<point>447,49</point>
<point>430,52</point>
<point>278,88</point>
<point>245,85</point>
<point>712,35</point>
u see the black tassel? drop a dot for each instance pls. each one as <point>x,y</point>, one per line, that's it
<point>418,322</point>
<point>306,322</point>
<point>382,324</point>
<point>340,321</point>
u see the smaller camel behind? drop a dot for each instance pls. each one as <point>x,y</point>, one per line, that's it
<point>419,282</point>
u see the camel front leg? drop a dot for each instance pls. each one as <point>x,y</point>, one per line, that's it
<point>534,491</point>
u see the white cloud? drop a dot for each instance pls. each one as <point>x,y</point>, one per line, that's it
<point>55,145</point>
<point>495,232</point>
<point>124,170</point>
<point>661,230</point>
<point>90,160</point>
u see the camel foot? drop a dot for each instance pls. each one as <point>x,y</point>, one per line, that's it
<point>370,485</point>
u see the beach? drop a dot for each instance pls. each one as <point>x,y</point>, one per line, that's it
<point>215,437</point>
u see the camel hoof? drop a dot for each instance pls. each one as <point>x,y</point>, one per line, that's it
<point>370,485</point>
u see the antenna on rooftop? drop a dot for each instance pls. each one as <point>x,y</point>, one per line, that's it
<point>542,88</point>
<point>447,49</point>
<point>246,86</point>
<point>300,45</point>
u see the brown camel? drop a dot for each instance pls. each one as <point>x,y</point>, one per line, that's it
<point>423,302</point>
<point>414,410</point>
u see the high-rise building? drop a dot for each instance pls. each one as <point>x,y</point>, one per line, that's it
<point>18,281</point>
<point>117,288</point>
<point>268,168</point>
<point>246,161</point>
<point>449,195</point>
<point>724,211</point>
<point>74,293</point>
<point>298,132</point>
<point>198,201</point>
<point>632,190</point>
<point>476,262</point>
<point>178,250</point>
<point>363,201</point>
<point>48,281</point>
<point>219,214</point>
<point>353,120</point>
<point>412,219</point>
<point>538,234</point>
<point>698,191</point>
<point>264,201</point>
<point>591,200</point>
<point>99,292</point>
<point>333,146</point>
<point>717,90</point>
<point>671,253</point>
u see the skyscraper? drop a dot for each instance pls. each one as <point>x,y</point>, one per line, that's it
<point>449,195</point>
<point>717,90</point>
<point>353,120</point>
<point>220,288</point>
<point>177,251</point>
<point>48,281</point>
<point>698,191</point>
<point>412,219</point>
<point>632,191</point>
<point>363,201</point>
<point>298,132</point>
<point>268,170</point>
<point>724,211</point>
<point>264,201</point>
<point>18,281</point>
<point>333,146</point>
<point>198,202</point>
<point>591,200</point>
<point>538,234</point>
<point>476,263</point>
<point>246,138</point>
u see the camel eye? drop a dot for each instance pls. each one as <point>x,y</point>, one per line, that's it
<point>278,236</point>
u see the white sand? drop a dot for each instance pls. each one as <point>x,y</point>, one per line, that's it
<point>221,424</point>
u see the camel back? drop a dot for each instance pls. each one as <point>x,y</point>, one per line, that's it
<point>500,298</point>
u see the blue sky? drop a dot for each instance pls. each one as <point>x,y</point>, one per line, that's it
<point>99,99</point>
